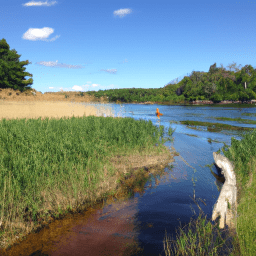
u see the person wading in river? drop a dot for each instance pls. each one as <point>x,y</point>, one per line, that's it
<point>158,114</point>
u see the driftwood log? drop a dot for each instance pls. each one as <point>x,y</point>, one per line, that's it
<point>226,205</point>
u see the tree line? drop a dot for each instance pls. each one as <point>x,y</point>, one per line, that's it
<point>218,84</point>
<point>233,83</point>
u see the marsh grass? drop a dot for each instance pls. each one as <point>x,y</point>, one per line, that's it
<point>53,166</point>
<point>214,127</point>
<point>191,135</point>
<point>202,236</point>
<point>240,120</point>
<point>210,140</point>
<point>248,114</point>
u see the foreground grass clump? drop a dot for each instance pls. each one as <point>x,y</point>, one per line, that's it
<point>201,237</point>
<point>50,166</point>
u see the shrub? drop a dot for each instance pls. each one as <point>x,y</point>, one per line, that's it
<point>216,98</point>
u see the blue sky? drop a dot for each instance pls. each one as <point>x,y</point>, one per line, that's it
<point>90,45</point>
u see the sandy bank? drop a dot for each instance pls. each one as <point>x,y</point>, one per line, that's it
<point>51,109</point>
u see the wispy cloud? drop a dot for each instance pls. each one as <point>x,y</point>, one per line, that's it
<point>122,12</point>
<point>58,65</point>
<point>33,3</point>
<point>95,85</point>
<point>111,71</point>
<point>85,87</point>
<point>35,34</point>
<point>124,61</point>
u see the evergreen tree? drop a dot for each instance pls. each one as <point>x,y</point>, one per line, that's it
<point>12,70</point>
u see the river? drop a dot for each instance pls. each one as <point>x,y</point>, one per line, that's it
<point>165,203</point>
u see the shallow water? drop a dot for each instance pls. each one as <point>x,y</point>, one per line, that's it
<point>166,203</point>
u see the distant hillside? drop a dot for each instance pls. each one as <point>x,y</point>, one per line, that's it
<point>218,84</point>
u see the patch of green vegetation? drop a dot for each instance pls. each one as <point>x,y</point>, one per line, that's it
<point>192,135</point>
<point>240,120</point>
<point>248,114</point>
<point>193,114</point>
<point>230,105</point>
<point>211,140</point>
<point>58,160</point>
<point>199,237</point>
<point>214,127</point>
<point>174,122</point>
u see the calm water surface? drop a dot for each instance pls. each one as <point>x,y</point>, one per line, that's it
<point>165,204</point>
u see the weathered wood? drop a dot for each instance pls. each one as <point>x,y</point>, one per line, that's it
<point>226,205</point>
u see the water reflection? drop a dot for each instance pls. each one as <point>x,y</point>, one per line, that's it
<point>111,231</point>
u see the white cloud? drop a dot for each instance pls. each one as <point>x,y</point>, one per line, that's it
<point>77,88</point>
<point>122,12</point>
<point>53,39</point>
<point>35,34</point>
<point>111,71</point>
<point>33,3</point>
<point>58,65</point>
<point>85,87</point>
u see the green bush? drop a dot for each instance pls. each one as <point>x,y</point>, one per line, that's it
<point>243,96</point>
<point>216,98</point>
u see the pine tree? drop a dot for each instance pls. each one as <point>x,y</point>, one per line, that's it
<point>12,70</point>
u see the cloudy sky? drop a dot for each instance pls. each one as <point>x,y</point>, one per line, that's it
<point>103,44</point>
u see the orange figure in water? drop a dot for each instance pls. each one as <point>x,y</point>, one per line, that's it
<point>158,114</point>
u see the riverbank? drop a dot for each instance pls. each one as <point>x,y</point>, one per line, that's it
<point>251,103</point>
<point>201,237</point>
<point>33,95</point>
<point>93,157</point>
<point>216,244</point>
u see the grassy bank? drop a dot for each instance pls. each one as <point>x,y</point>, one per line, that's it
<point>54,166</point>
<point>201,236</point>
